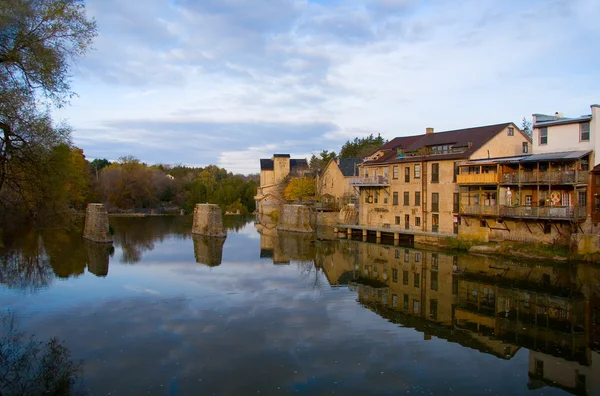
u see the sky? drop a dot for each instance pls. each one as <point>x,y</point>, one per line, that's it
<point>227,82</point>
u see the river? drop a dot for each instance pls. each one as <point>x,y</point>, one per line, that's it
<point>163,312</point>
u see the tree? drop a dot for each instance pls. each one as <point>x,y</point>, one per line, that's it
<point>300,188</point>
<point>361,147</point>
<point>39,39</point>
<point>526,127</point>
<point>319,163</point>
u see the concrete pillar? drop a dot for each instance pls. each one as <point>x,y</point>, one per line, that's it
<point>378,234</point>
<point>96,224</point>
<point>208,221</point>
<point>365,233</point>
<point>349,232</point>
<point>396,242</point>
<point>396,236</point>
<point>335,230</point>
<point>364,238</point>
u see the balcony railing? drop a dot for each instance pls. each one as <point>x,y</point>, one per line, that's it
<point>481,178</point>
<point>527,212</point>
<point>554,177</point>
<point>370,181</point>
<point>479,209</point>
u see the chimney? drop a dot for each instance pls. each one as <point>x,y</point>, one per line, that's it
<point>337,160</point>
<point>428,131</point>
<point>558,115</point>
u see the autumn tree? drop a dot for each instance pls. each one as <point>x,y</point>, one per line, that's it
<point>39,40</point>
<point>300,189</point>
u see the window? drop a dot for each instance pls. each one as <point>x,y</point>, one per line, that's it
<point>416,306</point>
<point>376,196</point>
<point>417,198</point>
<point>435,173</point>
<point>407,222</point>
<point>407,174</point>
<point>456,203</point>
<point>435,223</point>
<point>395,172</point>
<point>405,277</point>
<point>543,135</point>
<point>385,199</point>
<point>525,147</point>
<point>397,220</point>
<point>434,261</point>
<point>397,253</point>
<point>416,280</point>
<point>395,198</point>
<point>366,172</point>
<point>418,221</point>
<point>386,171</point>
<point>582,198</point>
<point>406,301</point>
<point>528,200</point>
<point>585,163</point>
<point>417,257</point>
<point>511,131</point>
<point>539,368</point>
<point>435,202</point>
<point>394,301</point>
<point>406,198</point>
<point>417,171</point>
<point>406,255</point>
<point>456,172</point>
<point>584,131</point>
<point>482,223</point>
<point>395,275</point>
<point>433,309</point>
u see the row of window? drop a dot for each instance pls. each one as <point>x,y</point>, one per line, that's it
<point>584,133</point>
<point>435,172</point>
<point>433,306</point>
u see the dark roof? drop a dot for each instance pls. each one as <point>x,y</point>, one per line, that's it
<point>553,120</point>
<point>469,139</point>
<point>266,164</point>
<point>295,164</point>
<point>348,166</point>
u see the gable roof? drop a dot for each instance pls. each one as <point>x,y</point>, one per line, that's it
<point>348,166</point>
<point>467,141</point>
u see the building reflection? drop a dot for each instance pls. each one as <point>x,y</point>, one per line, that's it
<point>282,247</point>
<point>98,257</point>
<point>208,250</point>
<point>494,305</point>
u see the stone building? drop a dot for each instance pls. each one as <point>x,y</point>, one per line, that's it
<point>272,172</point>
<point>410,182</point>
<point>334,183</point>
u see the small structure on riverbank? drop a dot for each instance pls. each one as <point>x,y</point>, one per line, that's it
<point>208,221</point>
<point>96,224</point>
<point>296,218</point>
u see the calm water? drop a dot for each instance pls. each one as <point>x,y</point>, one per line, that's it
<point>165,313</point>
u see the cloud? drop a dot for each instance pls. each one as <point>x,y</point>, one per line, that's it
<point>364,66</point>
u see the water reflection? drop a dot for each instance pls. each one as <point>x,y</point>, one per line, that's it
<point>282,247</point>
<point>98,256</point>
<point>208,250</point>
<point>33,367</point>
<point>496,306</point>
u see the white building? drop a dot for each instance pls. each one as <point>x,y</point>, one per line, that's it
<point>557,133</point>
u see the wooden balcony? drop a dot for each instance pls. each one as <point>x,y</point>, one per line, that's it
<point>526,212</point>
<point>548,177</point>
<point>480,178</point>
<point>479,210</point>
<point>375,181</point>
<point>545,212</point>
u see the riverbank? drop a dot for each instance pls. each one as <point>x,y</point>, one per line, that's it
<point>534,251</point>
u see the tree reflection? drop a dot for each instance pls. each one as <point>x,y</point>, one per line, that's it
<point>26,267</point>
<point>32,367</point>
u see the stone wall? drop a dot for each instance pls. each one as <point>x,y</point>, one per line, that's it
<point>295,218</point>
<point>207,250</point>
<point>327,218</point>
<point>208,221</point>
<point>96,224</point>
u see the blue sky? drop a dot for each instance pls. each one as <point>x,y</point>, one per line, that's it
<point>227,82</point>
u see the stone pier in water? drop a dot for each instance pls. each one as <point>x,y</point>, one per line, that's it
<point>207,250</point>
<point>208,221</point>
<point>96,224</point>
<point>295,218</point>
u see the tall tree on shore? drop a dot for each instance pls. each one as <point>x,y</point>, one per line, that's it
<point>38,41</point>
<point>361,147</point>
